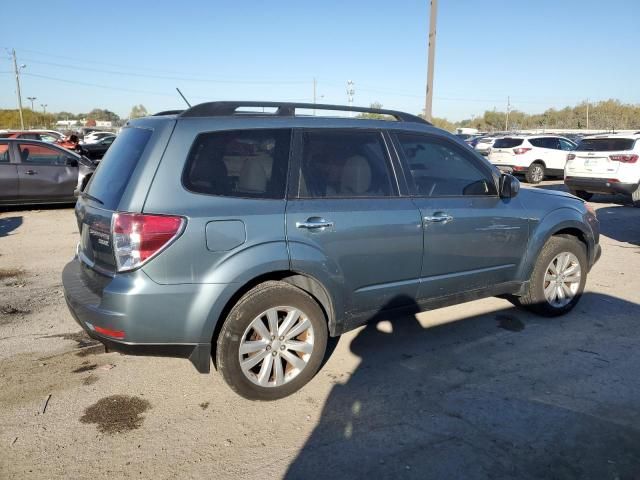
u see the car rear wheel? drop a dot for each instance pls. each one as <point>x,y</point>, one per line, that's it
<point>272,342</point>
<point>558,277</point>
<point>535,173</point>
<point>586,196</point>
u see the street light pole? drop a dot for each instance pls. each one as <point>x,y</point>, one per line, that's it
<point>428,106</point>
<point>17,72</point>
<point>32,99</point>
<point>44,113</point>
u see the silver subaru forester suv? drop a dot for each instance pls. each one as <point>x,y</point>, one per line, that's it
<point>247,233</point>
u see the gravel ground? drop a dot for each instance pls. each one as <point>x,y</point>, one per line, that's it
<point>481,390</point>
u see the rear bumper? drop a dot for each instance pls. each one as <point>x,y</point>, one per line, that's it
<point>599,185</point>
<point>145,318</point>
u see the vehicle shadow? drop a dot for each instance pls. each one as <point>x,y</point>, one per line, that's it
<point>501,395</point>
<point>620,223</point>
<point>9,224</point>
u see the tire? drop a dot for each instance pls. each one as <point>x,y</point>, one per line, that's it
<point>535,173</point>
<point>635,197</point>
<point>261,378</point>
<point>534,297</point>
<point>586,196</point>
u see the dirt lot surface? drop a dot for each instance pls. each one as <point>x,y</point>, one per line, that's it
<point>476,391</point>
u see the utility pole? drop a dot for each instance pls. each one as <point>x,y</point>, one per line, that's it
<point>506,121</point>
<point>587,114</point>
<point>428,106</point>
<point>44,113</point>
<point>351,91</point>
<point>17,72</point>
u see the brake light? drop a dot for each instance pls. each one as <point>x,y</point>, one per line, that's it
<point>627,158</point>
<point>138,237</point>
<point>520,150</point>
<point>571,156</point>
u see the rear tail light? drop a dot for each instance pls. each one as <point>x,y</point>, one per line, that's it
<point>520,150</point>
<point>138,237</point>
<point>571,156</point>
<point>627,158</point>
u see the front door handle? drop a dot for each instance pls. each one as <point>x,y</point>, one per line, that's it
<point>314,223</point>
<point>438,217</point>
<point>31,172</point>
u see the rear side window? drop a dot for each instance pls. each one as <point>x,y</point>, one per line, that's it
<point>344,164</point>
<point>239,163</point>
<point>507,143</point>
<point>605,144</point>
<point>31,153</point>
<point>117,166</point>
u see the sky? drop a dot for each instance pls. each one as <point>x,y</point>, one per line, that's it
<point>116,54</point>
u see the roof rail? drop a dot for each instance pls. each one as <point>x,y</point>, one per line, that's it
<point>287,109</point>
<point>167,112</point>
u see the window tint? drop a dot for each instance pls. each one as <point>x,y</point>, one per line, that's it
<point>344,164</point>
<point>605,144</point>
<point>441,169</point>
<point>240,163</point>
<point>29,136</point>
<point>566,145</point>
<point>41,155</point>
<point>117,166</point>
<point>4,153</point>
<point>507,143</point>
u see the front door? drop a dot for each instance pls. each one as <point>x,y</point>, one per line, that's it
<point>472,237</point>
<point>8,175</point>
<point>347,223</point>
<point>45,173</point>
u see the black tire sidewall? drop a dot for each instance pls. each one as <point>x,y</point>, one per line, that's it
<point>529,174</point>
<point>555,246</point>
<point>252,304</point>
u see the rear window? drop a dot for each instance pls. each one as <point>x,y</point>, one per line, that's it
<point>117,166</point>
<point>605,144</point>
<point>507,143</point>
<point>239,163</point>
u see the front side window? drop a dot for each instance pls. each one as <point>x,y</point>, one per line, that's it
<point>4,153</point>
<point>344,164</point>
<point>239,163</point>
<point>440,169</point>
<point>41,155</point>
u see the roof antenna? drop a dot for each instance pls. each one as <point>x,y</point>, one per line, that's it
<point>183,97</point>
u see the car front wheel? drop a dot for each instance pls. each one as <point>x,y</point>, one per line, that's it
<point>558,277</point>
<point>272,342</point>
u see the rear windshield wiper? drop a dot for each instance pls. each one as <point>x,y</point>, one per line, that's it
<point>91,197</point>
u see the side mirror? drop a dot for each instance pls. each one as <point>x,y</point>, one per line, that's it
<point>509,186</point>
<point>71,162</point>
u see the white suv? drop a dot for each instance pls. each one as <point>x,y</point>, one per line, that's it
<point>605,164</point>
<point>535,156</point>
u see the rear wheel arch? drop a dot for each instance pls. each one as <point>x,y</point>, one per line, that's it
<point>306,283</point>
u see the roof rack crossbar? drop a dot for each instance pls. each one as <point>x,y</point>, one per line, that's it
<point>287,109</point>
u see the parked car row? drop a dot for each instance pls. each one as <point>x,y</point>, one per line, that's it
<point>33,171</point>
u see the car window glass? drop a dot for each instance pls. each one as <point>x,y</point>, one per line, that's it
<point>344,164</point>
<point>566,145</point>
<point>4,153</point>
<point>40,155</point>
<point>239,163</point>
<point>441,169</point>
<point>553,143</point>
<point>507,142</point>
<point>538,142</point>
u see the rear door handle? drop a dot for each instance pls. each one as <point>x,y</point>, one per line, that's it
<point>438,217</point>
<point>314,223</point>
<point>31,172</point>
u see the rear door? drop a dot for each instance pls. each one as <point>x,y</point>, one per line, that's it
<point>8,175</point>
<point>472,237</point>
<point>45,173</point>
<point>346,216</point>
<point>592,156</point>
<point>502,150</point>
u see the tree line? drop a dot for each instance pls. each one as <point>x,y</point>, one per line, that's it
<point>10,118</point>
